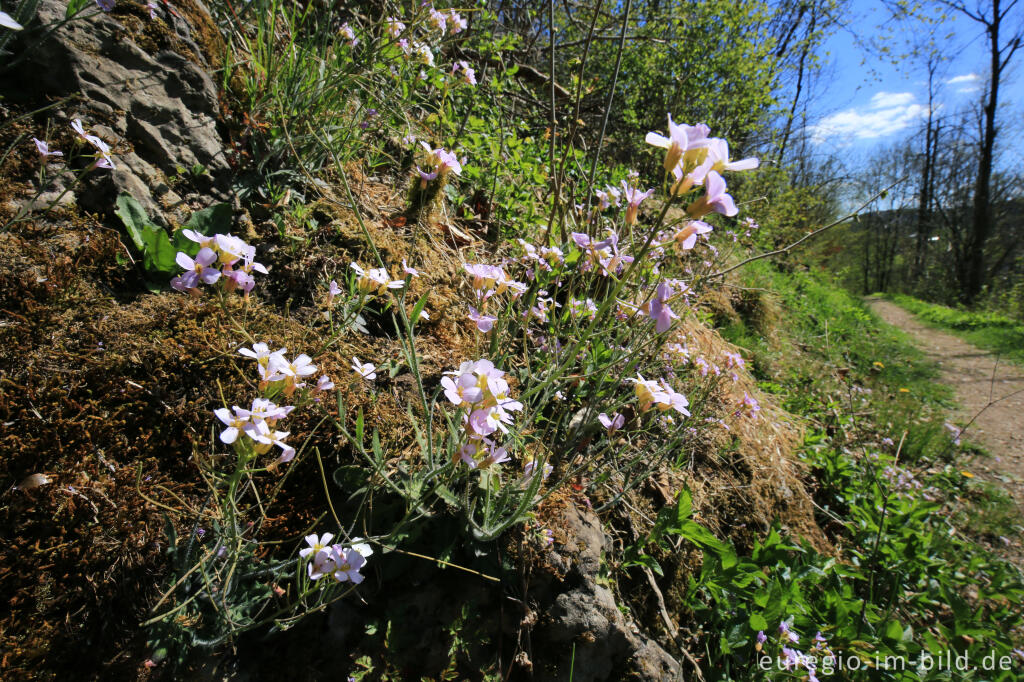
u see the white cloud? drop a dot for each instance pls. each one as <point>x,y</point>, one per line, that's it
<point>968,82</point>
<point>967,78</point>
<point>887,113</point>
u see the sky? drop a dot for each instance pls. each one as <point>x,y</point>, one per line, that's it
<point>864,102</point>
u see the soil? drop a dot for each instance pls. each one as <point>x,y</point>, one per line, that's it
<point>989,391</point>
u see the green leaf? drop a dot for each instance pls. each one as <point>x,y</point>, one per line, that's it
<point>684,506</point>
<point>378,453</point>
<point>757,622</point>
<point>134,218</point>
<point>216,218</point>
<point>150,240</point>
<point>418,308</point>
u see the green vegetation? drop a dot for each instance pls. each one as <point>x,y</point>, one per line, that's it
<point>537,287</point>
<point>992,331</point>
<point>889,492</point>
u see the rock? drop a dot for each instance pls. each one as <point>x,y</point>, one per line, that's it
<point>581,628</point>
<point>157,109</point>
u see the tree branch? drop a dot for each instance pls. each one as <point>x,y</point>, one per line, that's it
<point>800,241</point>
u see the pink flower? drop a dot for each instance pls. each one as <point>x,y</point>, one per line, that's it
<point>482,453</point>
<point>322,564</point>
<point>752,406</point>
<point>197,270</point>
<point>267,437</point>
<point>105,5</point>
<point>483,322</point>
<point>456,24</point>
<point>530,468</point>
<point>198,238</point>
<point>348,34</point>
<point>347,563</point>
<point>715,199</point>
<point>436,21</point>
<point>444,161</point>
<point>299,368</point>
<point>686,237</point>
<point>261,353</point>
<point>264,410</point>
<point>375,280</point>
<point>324,383</point>
<point>485,422</point>
<point>954,432</point>
<point>607,198</point>
<point>332,292</point>
<point>681,139</point>
<point>412,272</point>
<point>718,157</point>
<point>316,544</point>
<point>604,254</point>
<point>44,149</point>
<point>365,370</point>
<point>425,177</point>
<point>235,422</point>
<point>734,360</point>
<point>463,391</point>
<point>613,423</point>
<point>634,196</point>
<point>393,27</point>
<point>468,74</point>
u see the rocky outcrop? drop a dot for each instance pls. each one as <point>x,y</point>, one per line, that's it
<point>581,629</point>
<point>145,90</point>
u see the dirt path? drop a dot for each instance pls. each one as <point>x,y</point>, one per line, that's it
<point>969,370</point>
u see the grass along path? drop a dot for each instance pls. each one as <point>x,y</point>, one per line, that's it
<point>990,393</point>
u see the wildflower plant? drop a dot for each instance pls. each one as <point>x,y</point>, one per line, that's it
<point>570,327</point>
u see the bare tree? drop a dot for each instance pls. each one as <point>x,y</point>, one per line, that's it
<point>994,16</point>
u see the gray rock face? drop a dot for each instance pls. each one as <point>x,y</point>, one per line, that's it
<point>160,109</point>
<point>583,630</point>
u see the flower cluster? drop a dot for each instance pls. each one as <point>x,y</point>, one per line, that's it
<point>544,257</point>
<point>659,394</point>
<point>749,405</point>
<point>489,281</point>
<point>793,659</point>
<point>482,390</point>
<point>220,256</point>
<point>338,561</point>
<point>277,375</point>
<point>603,255</point>
<point>258,424</point>
<point>693,159</point>
<point>278,372</point>
<point>375,280</point>
<point>439,163</point>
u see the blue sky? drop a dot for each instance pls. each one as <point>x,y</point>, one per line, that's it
<point>863,102</point>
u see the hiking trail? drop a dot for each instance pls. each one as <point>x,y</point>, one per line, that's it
<point>988,389</point>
